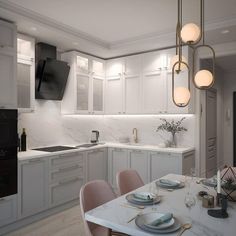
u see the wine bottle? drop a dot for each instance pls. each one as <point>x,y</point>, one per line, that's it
<point>23,141</point>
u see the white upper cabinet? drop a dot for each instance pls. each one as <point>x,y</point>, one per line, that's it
<point>8,36</point>
<point>83,88</point>
<point>138,84</point>
<point>98,67</point>
<point>132,84</point>
<point>132,94</point>
<point>114,95</point>
<point>132,65</point>
<point>151,62</point>
<point>98,94</point>
<point>82,65</point>
<point>154,93</point>
<point>25,73</point>
<point>8,66</point>
<point>84,92</point>
<point>123,80</point>
<point>114,67</point>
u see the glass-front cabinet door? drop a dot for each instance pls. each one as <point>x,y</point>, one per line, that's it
<point>82,65</point>
<point>23,84</point>
<point>83,87</point>
<point>25,73</point>
<point>90,85</point>
<point>98,95</point>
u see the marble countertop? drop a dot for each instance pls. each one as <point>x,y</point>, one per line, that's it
<point>29,154</point>
<point>115,215</point>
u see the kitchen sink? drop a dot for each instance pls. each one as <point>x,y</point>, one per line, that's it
<point>54,148</point>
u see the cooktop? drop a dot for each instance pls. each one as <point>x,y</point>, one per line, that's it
<point>54,148</point>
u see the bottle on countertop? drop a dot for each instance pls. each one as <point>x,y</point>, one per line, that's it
<point>23,141</point>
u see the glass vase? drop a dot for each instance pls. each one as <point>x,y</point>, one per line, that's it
<point>173,143</point>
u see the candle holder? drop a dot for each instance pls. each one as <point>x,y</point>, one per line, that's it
<point>229,186</point>
<point>220,213</point>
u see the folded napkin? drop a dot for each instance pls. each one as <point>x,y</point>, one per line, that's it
<point>163,219</point>
<point>168,182</point>
<point>143,196</point>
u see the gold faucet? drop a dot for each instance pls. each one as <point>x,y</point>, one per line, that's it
<point>135,135</point>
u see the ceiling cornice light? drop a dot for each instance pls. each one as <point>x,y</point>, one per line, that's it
<point>190,34</point>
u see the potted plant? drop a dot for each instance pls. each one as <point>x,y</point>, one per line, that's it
<point>172,127</point>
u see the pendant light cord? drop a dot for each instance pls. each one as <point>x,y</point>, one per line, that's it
<point>203,21</point>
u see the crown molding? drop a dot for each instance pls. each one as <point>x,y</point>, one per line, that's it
<point>163,35</point>
<point>49,22</point>
<point>221,23</point>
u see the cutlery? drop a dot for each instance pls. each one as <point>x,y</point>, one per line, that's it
<point>133,206</point>
<point>133,218</point>
<point>167,189</point>
<point>184,227</point>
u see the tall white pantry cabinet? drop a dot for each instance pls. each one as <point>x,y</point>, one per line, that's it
<point>8,60</point>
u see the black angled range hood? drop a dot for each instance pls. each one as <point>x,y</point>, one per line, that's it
<point>51,74</point>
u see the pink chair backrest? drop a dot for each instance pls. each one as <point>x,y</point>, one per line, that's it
<point>128,180</point>
<point>229,173</point>
<point>92,195</point>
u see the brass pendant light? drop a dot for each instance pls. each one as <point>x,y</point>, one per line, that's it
<point>191,35</point>
<point>203,79</point>
<point>180,95</point>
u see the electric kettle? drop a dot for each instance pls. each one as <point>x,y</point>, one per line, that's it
<point>94,136</point>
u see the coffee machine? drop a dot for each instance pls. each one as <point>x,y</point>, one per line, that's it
<point>94,136</point>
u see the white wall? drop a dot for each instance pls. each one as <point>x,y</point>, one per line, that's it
<point>46,126</point>
<point>219,84</point>
<point>229,88</point>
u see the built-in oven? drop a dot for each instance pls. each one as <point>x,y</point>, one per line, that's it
<point>8,152</point>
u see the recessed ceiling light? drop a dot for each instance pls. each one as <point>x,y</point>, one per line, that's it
<point>33,28</point>
<point>225,31</point>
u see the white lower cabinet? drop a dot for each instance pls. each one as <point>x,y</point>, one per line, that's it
<point>33,186</point>
<point>8,210</point>
<point>117,161</point>
<point>66,177</point>
<point>96,163</point>
<point>65,191</point>
<point>50,181</point>
<point>188,162</point>
<point>150,165</point>
<point>162,164</point>
<point>138,160</point>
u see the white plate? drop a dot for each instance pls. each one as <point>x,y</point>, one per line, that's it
<point>146,219</point>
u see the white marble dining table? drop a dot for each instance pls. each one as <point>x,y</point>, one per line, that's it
<point>115,214</point>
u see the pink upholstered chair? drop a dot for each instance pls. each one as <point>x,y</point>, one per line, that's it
<point>128,180</point>
<point>92,195</point>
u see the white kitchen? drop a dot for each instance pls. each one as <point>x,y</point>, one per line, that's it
<point>117,117</point>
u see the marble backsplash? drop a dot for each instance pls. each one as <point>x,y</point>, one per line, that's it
<point>47,126</point>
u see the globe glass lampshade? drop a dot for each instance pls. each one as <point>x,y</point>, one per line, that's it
<point>181,96</point>
<point>190,33</point>
<point>203,79</point>
<point>174,59</point>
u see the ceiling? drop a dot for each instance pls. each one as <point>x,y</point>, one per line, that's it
<point>112,27</point>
